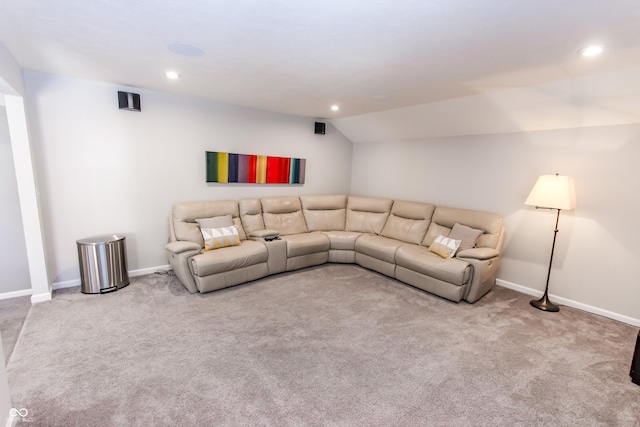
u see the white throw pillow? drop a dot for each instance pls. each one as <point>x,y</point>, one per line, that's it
<point>444,246</point>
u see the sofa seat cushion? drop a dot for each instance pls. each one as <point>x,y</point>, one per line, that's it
<point>379,247</point>
<point>250,252</point>
<point>343,240</point>
<point>305,244</point>
<point>421,260</point>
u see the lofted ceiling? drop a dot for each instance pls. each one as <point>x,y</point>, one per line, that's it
<point>300,57</point>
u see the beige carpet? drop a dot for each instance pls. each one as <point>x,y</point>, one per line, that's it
<point>336,345</point>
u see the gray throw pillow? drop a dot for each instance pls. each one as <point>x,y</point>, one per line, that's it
<point>215,222</point>
<point>468,236</point>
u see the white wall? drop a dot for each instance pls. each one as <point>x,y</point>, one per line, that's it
<point>10,73</point>
<point>103,170</point>
<point>596,259</point>
<point>14,269</point>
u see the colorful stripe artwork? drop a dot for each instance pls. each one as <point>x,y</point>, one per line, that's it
<point>254,169</point>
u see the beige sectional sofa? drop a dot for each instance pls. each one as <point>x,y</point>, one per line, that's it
<point>285,233</point>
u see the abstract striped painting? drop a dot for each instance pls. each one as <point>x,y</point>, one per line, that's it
<point>254,169</point>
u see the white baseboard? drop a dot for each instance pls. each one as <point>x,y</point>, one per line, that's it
<point>16,294</point>
<point>36,298</point>
<point>143,271</point>
<point>132,273</point>
<point>66,284</point>
<point>570,303</point>
<point>71,283</point>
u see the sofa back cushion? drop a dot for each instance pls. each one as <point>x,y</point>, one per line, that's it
<point>408,221</point>
<point>367,214</point>
<point>184,215</point>
<point>445,217</point>
<point>251,215</point>
<point>325,212</point>
<point>284,214</point>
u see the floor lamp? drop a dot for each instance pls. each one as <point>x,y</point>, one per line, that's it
<point>551,192</point>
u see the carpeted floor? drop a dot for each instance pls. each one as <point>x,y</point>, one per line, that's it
<point>336,345</point>
<point>13,312</point>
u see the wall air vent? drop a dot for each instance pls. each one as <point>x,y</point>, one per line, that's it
<point>129,101</point>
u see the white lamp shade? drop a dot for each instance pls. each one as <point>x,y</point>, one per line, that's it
<point>554,192</point>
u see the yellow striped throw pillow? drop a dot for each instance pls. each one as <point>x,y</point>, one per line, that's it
<point>444,246</point>
<point>221,237</point>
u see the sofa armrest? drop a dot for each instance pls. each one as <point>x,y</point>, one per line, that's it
<point>478,253</point>
<point>182,246</point>
<point>485,263</point>
<point>179,253</point>
<point>277,249</point>
<point>264,234</point>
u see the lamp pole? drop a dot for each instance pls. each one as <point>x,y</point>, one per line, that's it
<point>544,303</point>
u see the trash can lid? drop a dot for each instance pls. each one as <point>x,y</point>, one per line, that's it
<point>97,240</point>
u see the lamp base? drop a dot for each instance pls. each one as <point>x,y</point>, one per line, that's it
<point>544,304</point>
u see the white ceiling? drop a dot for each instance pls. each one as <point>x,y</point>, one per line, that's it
<point>300,57</point>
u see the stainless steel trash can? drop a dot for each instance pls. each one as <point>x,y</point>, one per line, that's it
<point>103,264</point>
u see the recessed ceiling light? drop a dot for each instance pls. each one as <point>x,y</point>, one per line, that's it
<point>591,50</point>
<point>334,108</point>
<point>172,75</point>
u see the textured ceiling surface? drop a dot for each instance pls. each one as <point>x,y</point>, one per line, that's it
<point>301,57</point>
